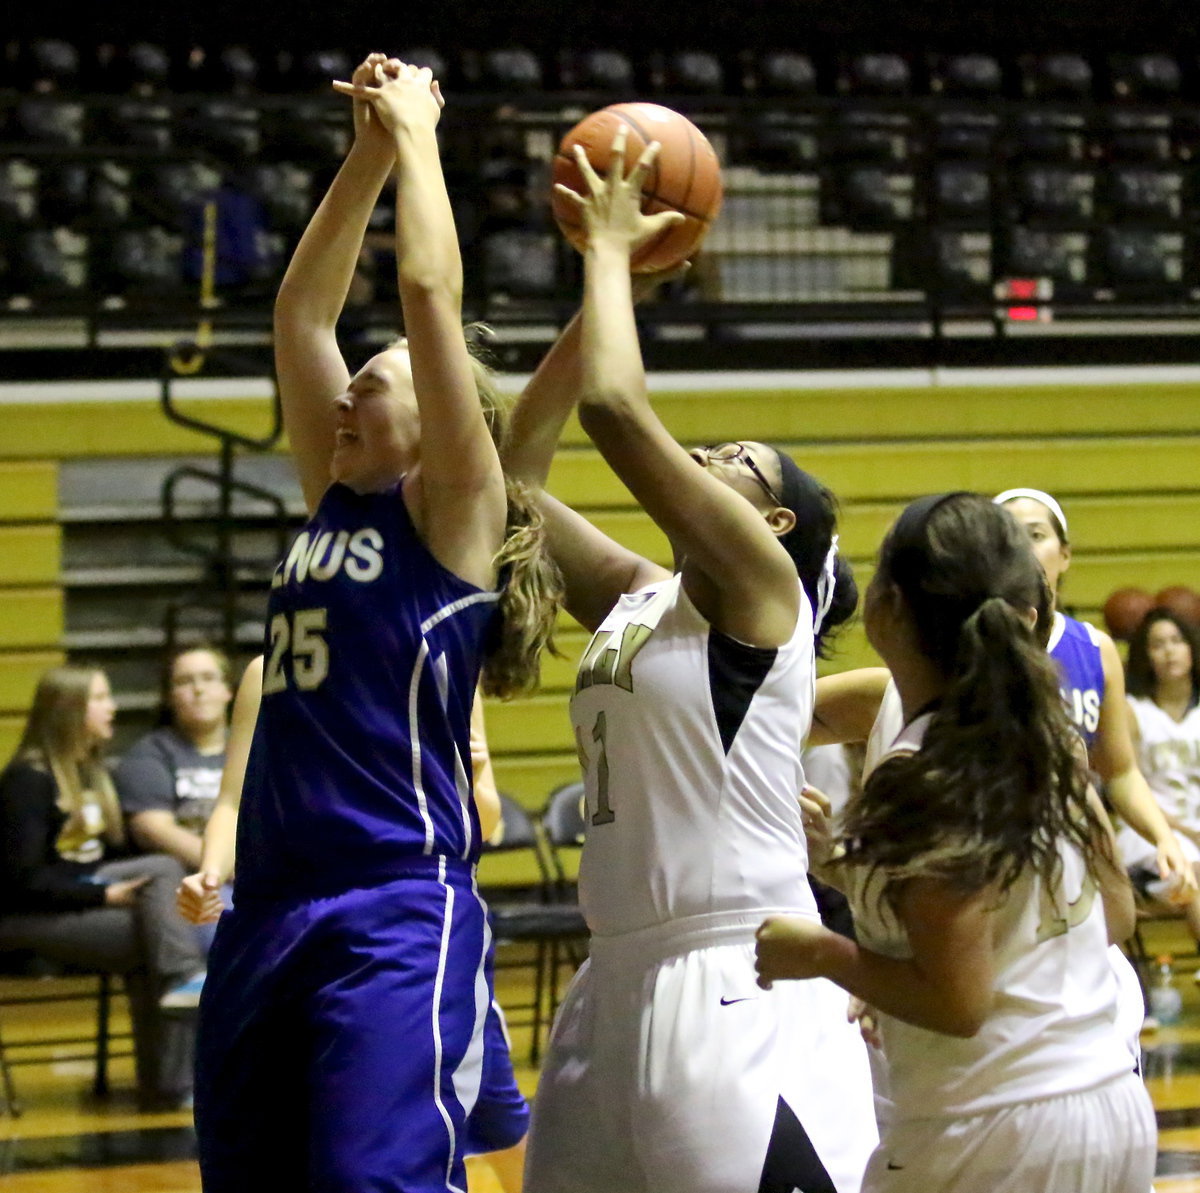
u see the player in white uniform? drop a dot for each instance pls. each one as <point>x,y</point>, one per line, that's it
<point>975,856</point>
<point>667,1069</point>
<point>1164,689</point>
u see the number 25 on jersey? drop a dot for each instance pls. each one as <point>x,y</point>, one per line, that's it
<point>300,637</point>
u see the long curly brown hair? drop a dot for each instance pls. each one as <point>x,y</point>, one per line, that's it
<point>998,781</point>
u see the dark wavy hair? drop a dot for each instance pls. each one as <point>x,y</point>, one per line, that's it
<point>808,543</point>
<point>999,778</point>
<point>1140,679</point>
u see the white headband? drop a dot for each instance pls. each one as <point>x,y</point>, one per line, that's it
<point>826,584</point>
<point>1035,495</point>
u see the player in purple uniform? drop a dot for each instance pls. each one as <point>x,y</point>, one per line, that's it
<point>1093,685</point>
<point>341,1033</point>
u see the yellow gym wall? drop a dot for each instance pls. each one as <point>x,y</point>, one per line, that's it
<point>1120,448</point>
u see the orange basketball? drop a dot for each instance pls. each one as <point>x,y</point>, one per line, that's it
<point>685,177</point>
<point>1124,610</point>
<point>1182,601</point>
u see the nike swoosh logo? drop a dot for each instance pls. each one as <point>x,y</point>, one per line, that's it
<point>728,1002</point>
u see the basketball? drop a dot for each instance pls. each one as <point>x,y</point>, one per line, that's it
<point>685,177</point>
<point>1183,601</point>
<point>1124,610</point>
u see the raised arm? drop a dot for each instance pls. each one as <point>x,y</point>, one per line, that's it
<point>459,496</point>
<point>199,895</point>
<point>596,570</point>
<point>750,588</point>
<point>308,363</point>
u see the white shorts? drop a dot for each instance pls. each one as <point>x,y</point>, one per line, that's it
<point>670,1070</point>
<point>1103,1140</point>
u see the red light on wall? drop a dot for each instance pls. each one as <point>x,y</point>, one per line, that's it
<point>1022,314</point>
<point>1023,288</point>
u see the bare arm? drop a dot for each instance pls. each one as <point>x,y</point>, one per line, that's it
<point>487,797</point>
<point>199,898</point>
<point>596,570</point>
<point>847,705</point>
<point>738,575</point>
<point>1116,892</point>
<point>308,362</point>
<point>460,502</point>
<point>948,984</point>
<point>1114,758</point>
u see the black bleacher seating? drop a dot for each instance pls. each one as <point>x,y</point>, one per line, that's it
<point>18,193</point>
<point>688,72</point>
<point>1056,193</point>
<point>49,263</point>
<point>1145,76</point>
<point>974,76</point>
<point>228,128</point>
<point>962,190</point>
<point>1056,76</point>
<point>49,120</point>
<point>512,71</point>
<point>606,71</point>
<point>875,74</point>
<point>148,66</point>
<point>785,72</point>
<point>142,263</point>
<point>1140,256</point>
<point>1148,193</point>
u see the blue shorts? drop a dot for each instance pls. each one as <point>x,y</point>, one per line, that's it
<point>500,1118</point>
<point>341,1039</point>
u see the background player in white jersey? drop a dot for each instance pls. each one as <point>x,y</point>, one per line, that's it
<point>667,1069</point>
<point>974,860</point>
<point>1163,676</point>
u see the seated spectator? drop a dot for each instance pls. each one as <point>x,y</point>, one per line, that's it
<point>65,898</point>
<point>1163,683</point>
<point>168,780</point>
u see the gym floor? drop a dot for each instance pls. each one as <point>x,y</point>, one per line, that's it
<point>68,1141</point>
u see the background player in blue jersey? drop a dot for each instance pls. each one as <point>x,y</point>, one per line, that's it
<point>341,1033</point>
<point>1093,685</point>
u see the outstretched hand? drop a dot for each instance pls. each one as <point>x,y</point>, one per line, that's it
<point>612,208</point>
<point>400,94</point>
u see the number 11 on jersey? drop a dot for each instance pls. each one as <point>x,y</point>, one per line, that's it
<point>596,761</point>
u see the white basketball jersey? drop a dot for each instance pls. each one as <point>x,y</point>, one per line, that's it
<point>1051,1028</point>
<point>889,723</point>
<point>1169,756</point>
<point>690,744</point>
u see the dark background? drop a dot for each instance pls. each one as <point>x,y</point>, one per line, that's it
<point>546,25</point>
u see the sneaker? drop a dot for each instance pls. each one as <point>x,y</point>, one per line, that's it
<point>185,996</point>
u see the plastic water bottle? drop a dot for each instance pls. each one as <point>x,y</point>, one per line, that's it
<point>1165,999</point>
